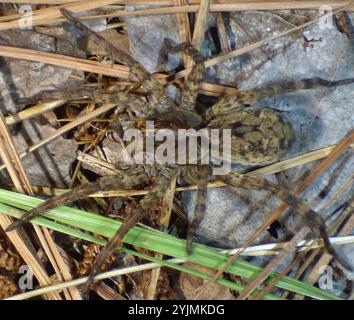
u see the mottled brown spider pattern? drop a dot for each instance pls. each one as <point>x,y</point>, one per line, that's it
<point>259,137</point>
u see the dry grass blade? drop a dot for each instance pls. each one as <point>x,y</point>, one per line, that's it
<point>104,167</point>
<point>199,28</point>
<point>285,252</point>
<point>273,283</point>
<point>101,276</point>
<point>49,14</point>
<point>184,28</point>
<point>39,1</point>
<point>118,71</point>
<point>225,46</point>
<point>33,111</point>
<point>60,267</point>
<point>66,61</point>
<point>15,169</point>
<point>325,259</point>
<point>295,161</point>
<point>263,5</point>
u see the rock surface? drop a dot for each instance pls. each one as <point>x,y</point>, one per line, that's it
<point>49,165</point>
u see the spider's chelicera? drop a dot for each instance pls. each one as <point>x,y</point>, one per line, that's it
<point>256,137</point>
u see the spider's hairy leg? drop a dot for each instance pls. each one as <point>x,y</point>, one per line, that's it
<point>80,192</point>
<point>311,217</point>
<point>228,104</point>
<point>199,214</point>
<point>194,78</point>
<point>124,100</point>
<point>154,88</point>
<point>64,94</point>
<point>151,199</point>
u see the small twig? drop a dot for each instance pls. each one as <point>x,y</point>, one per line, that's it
<point>33,111</point>
<point>9,156</point>
<point>274,282</point>
<point>220,25</point>
<point>52,14</point>
<point>184,28</point>
<point>325,259</point>
<point>102,276</point>
<point>199,28</point>
<point>290,248</point>
<point>104,167</point>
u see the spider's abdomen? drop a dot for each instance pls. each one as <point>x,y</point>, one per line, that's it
<point>258,136</point>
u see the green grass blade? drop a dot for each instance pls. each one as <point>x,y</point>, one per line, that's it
<point>66,218</point>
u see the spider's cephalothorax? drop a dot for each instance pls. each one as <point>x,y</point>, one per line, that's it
<point>258,137</point>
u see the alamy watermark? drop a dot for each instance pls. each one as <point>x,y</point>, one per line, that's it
<point>325,280</point>
<point>25,21</point>
<point>186,146</point>
<point>25,282</point>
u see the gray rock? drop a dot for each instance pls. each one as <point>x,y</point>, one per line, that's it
<point>50,164</point>
<point>23,78</point>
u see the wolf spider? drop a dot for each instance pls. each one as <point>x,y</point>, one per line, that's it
<point>259,137</point>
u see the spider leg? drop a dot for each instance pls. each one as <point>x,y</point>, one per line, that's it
<point>199,214</point>
<point>151,199</point>
<point>124,100</point>
<point>154,88</point>
<point>194,78</point>
<point>311,217</point>
<point>80,93</point>
<point>66,94</point>
<point>80,192</point>
<point>229,104</point>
